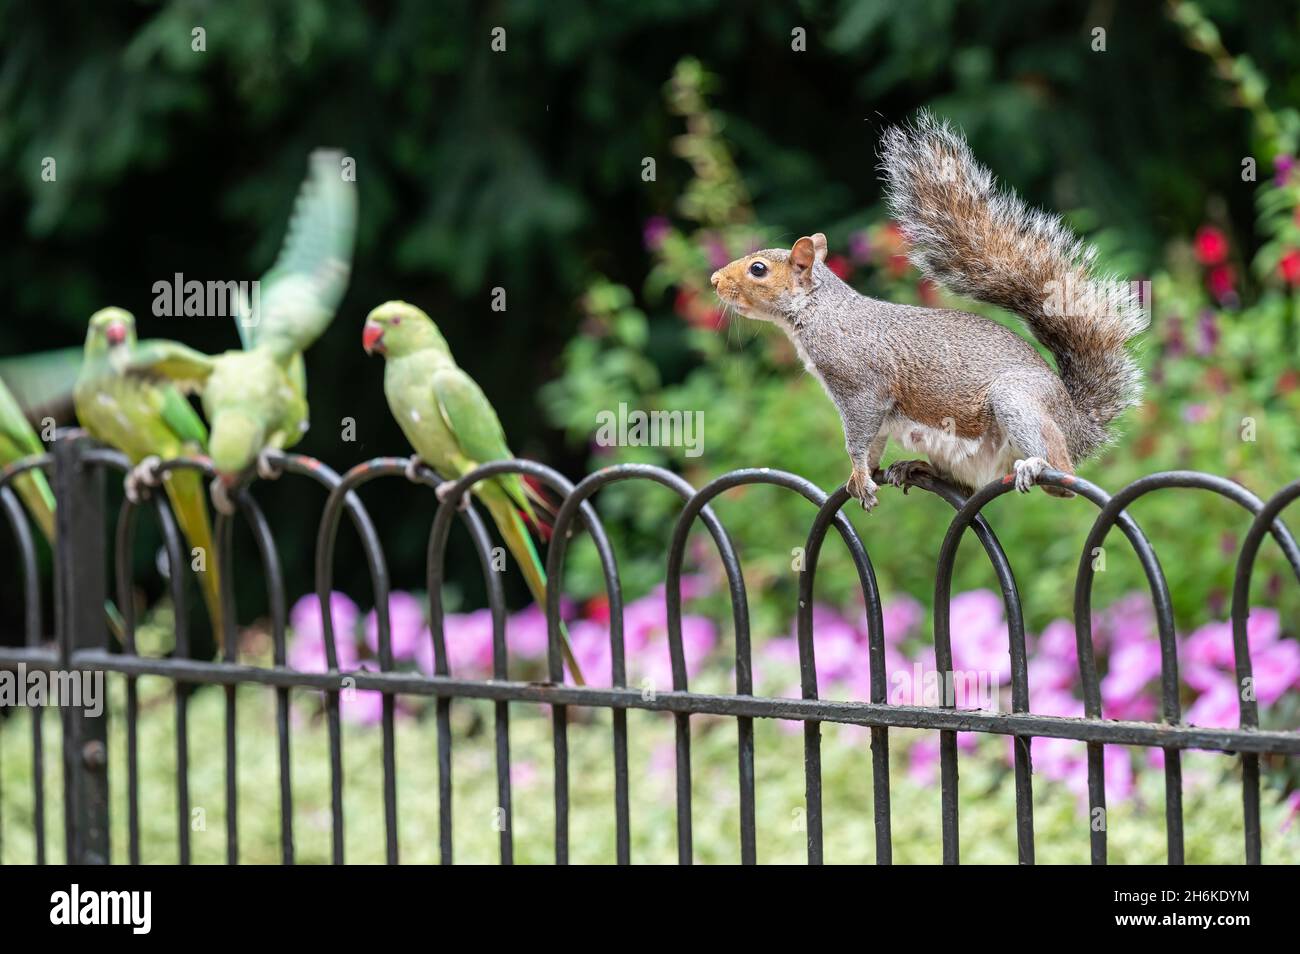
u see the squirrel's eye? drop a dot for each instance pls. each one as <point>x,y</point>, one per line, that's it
<point>758,269</point>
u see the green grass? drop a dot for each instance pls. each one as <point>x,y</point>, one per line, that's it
<point>1212,808</point>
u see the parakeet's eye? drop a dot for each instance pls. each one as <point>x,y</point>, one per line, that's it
<point>758,269</point>
<point>394,320</point>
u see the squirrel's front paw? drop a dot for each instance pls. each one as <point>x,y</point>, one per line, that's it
<point>1028,472</point>
<point>862,488</point>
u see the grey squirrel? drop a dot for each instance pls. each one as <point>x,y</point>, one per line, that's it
<point>972,395</point>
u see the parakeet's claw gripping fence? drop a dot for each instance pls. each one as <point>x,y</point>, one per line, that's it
<point>79,469</point>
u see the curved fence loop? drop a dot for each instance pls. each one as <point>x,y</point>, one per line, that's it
<point>1019,672</point>
<point>577,501</point>
<point>1114,512</point>
<point>26,544</point>
<point>32,638</point>
<point>1265,522</point>
<point>672,598</point>
<point>500,670</point>
<point>174,548</point>
<point>1087,663</point>
<point>968,515</point>
<point>342,496</point>
<point>451,494</point>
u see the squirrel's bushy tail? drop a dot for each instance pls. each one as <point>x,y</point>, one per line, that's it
<point>983,242</point>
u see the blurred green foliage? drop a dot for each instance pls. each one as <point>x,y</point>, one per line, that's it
<point>522,170</point>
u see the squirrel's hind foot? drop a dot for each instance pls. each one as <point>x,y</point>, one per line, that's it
<point>903,473</point>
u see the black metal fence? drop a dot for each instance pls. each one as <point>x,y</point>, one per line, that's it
<point>78,468</point>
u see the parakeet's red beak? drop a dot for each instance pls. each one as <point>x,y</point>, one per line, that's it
<point>115,333</point>
<point>371,337</point>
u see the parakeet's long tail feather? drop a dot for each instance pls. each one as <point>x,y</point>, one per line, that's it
<point>35,492</point>
<point>189,503</point>
<point>515,533</point>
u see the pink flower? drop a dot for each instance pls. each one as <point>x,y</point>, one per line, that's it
<point>716,250</point>
<point>923,760</point>
<point>1117,771</point>
<point>1048,672</point>
<point>1212,644</point>
<point>979,634</point>
<point>1216,709</point>
<point>654,232</point>
<point>1282,166</point>
<point>526,634</point>
<point>1276,669</point>
<point>645,638</point>
<point>899,677</point>
<point>900,616</point>
<point>590,641</point>
<point>1130,620</point>
<point>306,651</point>
<point>923,755</point>
<point>652,664</point>
<point>1058,641</point>
<point>860,247</point>
<point>1293,803</point>
<point>838,651</point>
<point>1208,333</point>
<point>362,706</point>
<point>1131,669</point>
<point>406,624</point>
<point>468,639</point>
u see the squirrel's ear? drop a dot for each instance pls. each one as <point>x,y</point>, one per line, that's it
<point>809,249</point>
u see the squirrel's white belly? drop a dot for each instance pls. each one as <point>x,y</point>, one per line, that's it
<point>973,461</point>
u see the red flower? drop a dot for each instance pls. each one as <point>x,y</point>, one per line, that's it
<point>1222,281</point>
<point>697,312</point>
<point>1289,266</point>
<point>893,245</point>
<point>840,266</point>
<point>1211,245</point>
<point>597,609</point>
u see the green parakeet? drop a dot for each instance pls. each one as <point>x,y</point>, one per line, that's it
<point>36,375</point>
<point>453,428</point>
<point>148,421</point>
<point>19,440</point>
<point>255,398</point>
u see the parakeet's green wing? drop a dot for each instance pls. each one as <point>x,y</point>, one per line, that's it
<point>15,431</point>
<point>184,367</point>
<point>473,421</point>
<point>474,424</point>
<point>299,295</point>
<point>179,415</point>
